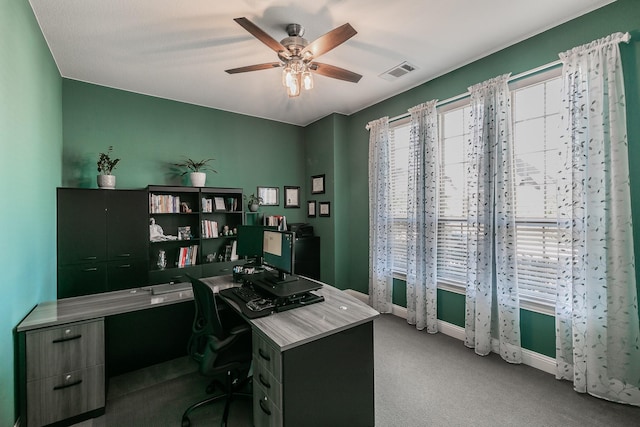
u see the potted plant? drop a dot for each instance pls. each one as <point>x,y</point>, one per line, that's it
<point>195,169</point>
<point>253,202</point>
<point>106,165</point>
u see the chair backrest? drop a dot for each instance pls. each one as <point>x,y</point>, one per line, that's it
<point>207,318</point>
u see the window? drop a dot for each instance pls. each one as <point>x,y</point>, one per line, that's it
<point>536,130</point>
<point>399,140</point>
<point>536,137</point>
<point>452,217</point>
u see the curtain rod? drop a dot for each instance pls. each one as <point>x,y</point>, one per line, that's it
<point>626,37</point>
<point>527,73</point>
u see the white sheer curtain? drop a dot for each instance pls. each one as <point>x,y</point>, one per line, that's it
<point>491,240</point>
<point>380,261</point>
<point>422,218</point>
<point>597,331</point>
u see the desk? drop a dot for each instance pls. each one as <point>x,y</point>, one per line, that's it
<point>320,357</point>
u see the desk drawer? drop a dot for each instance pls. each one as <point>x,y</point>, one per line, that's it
<point>62,396</point>
<point>265,412</point>
<point>268,356</point>
<point>61,349</point>
<point>269,385</point>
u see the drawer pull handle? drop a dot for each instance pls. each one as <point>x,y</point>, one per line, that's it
<point>263,381</point>
<point>90,258</point>
<point>86,270</point>
<point>264,356</point>
<point>124,255</point>
<point>60,387</point>
<point>265,410</point>
<point>125,266</point>
<point>75,337</point>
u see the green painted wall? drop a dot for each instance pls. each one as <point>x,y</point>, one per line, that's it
<point>319,154</point>
<point>623,15</point>
<point>30,167</point>
<point>151,134</point>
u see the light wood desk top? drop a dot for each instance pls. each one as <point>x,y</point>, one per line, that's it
<point>291,328</point>
<point>286,329</point>
<point>67,310</point>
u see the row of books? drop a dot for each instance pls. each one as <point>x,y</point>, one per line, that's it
<point>209,229</point>
<point>279,221</point>
<point>164,203</point>
<point>207,205</point>
<point>187,256</point>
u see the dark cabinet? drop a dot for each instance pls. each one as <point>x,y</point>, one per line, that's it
<point>102,240</point>
<point>307,257</point>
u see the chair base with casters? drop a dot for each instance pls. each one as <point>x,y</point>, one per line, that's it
<point>231,391</point>
<point>221,345</point>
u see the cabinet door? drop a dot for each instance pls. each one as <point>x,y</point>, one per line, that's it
<point>307,259</point>
<point>81,225</point>
<point>81,279</point>
<point>127,226</point>
<point>126,274</point>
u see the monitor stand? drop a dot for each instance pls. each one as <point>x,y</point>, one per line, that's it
<point>282,278</point>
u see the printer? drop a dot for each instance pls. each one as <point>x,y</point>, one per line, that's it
<point>301,229</point>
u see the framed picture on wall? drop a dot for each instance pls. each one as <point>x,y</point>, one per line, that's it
<point>291,197</point>
<point>317,184</point>
<point>270,196</point>
<point>325,208</point>
<point>311,208</point>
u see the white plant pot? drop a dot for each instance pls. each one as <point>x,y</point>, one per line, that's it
<point>107,181</point>
<point>198,179</point>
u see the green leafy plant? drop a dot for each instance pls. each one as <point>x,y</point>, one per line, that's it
<point>253,199</point>
<point>195,165</point>
<point>105,164</point>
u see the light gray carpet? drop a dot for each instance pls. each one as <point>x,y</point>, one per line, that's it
<point>420,380</point>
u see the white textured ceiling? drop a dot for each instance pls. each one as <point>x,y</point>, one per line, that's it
<point>179,49</point>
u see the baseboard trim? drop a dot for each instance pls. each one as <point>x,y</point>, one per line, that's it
<point>529,358</point>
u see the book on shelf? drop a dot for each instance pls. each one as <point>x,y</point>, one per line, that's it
<point>279,221</point>
<point>164,203</point>
<point>209,229</point>
<point>187,256</point>
<point>207,205</point>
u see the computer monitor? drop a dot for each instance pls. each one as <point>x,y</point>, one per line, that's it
<point>249,242</point>
<point>278,252</point>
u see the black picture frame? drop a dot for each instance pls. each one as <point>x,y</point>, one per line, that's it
<point>324,209</point>
<point>270,196</point>
<point>291,196</point>
<point>317,184</point>
<point>311,209</point>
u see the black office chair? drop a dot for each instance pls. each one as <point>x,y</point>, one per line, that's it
<point>221,344</point>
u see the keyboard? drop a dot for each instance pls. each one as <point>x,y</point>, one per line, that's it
<point>246,293</point>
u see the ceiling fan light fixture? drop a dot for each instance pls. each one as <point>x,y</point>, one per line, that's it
<point>293,88</point>
<point>286,75</point>
<point>307,80</point>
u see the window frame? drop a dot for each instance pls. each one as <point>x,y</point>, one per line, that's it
<point>529,303</point>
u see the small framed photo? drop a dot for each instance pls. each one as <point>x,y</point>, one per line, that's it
<point>184,233</point>
<point>311,208</point>
<point>219,205</point>
<point>325,208</point>
<point>270,196</point>
<point>317,184</point>
<point>291,197</point>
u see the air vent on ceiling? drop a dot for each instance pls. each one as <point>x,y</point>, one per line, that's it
<point>398,71</point>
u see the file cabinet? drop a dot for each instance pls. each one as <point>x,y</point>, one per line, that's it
<point>64,372</point>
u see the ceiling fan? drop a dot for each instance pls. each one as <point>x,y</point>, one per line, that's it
<point>297,55</point>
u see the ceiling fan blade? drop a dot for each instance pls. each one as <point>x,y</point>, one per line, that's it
<point>335,72</point>
<point>255,67</point>
<point>333,38</point>
<point>260,35</point>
